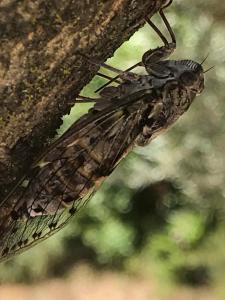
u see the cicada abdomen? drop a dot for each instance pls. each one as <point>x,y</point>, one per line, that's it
<point>72,168</point>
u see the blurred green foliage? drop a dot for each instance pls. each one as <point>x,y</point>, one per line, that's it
<point>162,210</point>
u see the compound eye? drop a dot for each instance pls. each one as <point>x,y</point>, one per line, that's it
<point>188,78</point>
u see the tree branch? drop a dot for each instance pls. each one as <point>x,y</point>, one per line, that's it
<point>41,71</point>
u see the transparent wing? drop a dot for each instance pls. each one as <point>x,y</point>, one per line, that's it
<point>68,174</point>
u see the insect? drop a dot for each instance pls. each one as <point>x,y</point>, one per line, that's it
<point>73,167</point>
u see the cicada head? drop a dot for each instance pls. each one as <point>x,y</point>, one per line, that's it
<point>189,74</point>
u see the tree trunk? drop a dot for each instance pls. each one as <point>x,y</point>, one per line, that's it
<point>41,71</point>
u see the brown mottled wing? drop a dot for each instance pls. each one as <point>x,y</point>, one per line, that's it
<point>68,174</point>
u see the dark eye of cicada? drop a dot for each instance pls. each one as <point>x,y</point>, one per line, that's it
<point>188,78</point>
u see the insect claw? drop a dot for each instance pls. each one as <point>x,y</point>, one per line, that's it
<point>167,4</point>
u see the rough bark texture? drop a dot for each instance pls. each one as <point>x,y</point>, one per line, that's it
<point>41,71</point>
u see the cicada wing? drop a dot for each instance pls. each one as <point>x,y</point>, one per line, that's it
<point>68,174</point>
<point>26,232</point>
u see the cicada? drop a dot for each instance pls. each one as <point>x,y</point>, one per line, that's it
<point>132,113</point>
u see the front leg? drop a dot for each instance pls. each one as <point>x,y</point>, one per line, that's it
<point>152,58</point>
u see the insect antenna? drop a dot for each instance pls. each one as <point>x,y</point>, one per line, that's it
<point>204,59</point>
<point>209,69</point>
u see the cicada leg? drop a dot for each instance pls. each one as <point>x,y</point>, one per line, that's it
<point>109,78</point>
<point>118,76</point>
<point>166,4</point>
<point>152,57</point>
<point>104,65</point>
<point>123,75</point>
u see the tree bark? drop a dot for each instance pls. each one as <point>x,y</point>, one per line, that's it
<point>41,71</point>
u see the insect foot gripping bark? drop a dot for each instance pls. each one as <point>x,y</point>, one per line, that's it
<point>131,113</point>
